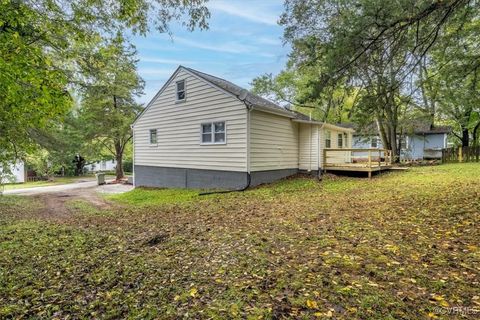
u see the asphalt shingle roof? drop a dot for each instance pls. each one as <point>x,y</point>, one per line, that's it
<point>417,126</point>
<point>237,91</point>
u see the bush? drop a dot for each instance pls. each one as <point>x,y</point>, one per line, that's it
<point>128,166</point>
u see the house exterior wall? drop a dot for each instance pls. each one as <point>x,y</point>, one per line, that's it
<point>418,146</point>
<point>104,165</point>
<point>337,156</point>
<point>273,142</point>
<point>17,173</point>
<point>308,152</point>
<point>167,177</point>
<point>424,146</point>
<point>260,146</point>
<point>178,129</point>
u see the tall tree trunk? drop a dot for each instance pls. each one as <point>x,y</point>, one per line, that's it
<point>476,135</point>
<point>465,137</point>
<point>119,158</point>
<point>383,135</point>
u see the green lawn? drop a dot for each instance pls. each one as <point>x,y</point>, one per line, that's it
<point>403,245</point>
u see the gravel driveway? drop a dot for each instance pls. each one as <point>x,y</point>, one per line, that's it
<point>70,187</point>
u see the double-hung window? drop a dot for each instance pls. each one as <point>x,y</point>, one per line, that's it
<point>153,136</point>
<point>374,142</point>
<point>328,139</point>
<point>214,133</point>
<point>181,92</point>
<point>403,143</point>
<point>340,140</point>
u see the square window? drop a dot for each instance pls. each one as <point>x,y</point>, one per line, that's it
<point>220,137</point>
<point>207,128</point>
<point>220,127</point>
<point>213,132</point>
<point>153,136</point>
<point>206,137</point>
<point>181,90</point>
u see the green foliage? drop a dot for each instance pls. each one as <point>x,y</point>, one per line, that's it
<point>33,92</point>
<point>42,163</point>
<point>39,56</point>
<point>453,82</point>
<point>108,100</point>
<point>359,59</point>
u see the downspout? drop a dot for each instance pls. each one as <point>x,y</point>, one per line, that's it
<point>311,144</point>
<point>249,177</point>
<point>133,154</point>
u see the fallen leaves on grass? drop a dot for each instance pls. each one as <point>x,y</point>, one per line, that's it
<point>399,246</point>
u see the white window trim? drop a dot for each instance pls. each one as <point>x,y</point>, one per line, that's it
<point>338,141</point>
<point>328,136</point>
<point>184,90</point>
<point>212,133</point>
<point>150,137</point>
<point>376,142</point>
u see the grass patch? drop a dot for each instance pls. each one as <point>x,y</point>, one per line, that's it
<point>152,197</point>
<point>402,245</point>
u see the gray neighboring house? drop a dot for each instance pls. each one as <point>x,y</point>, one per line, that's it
<point>201,131</point>
<point>422,143</point>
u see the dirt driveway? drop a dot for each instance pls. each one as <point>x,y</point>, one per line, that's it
<point>55,197</point>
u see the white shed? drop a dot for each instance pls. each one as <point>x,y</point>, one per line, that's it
<point>17,173</point>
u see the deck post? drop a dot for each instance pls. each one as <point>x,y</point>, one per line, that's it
<point>370,174</point>
<point>369,158</point>
<point>379,158</point>
<point>324,162</point>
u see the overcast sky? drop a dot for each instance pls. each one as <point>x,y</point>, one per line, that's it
<point>243,41</point>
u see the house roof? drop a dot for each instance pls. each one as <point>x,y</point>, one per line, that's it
<point>241,93</point>
<point>244,95</point>
<point>302,118</point>
<point>416,126</point>
<point>424,128</point>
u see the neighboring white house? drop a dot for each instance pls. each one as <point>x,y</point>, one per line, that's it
<point>17,173</point>
<point>104,165</point>
<point>200,131</point>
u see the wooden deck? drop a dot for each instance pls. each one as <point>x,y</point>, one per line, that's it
<point>358,160</point>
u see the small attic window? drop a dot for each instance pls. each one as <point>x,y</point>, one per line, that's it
<point>181,90</point>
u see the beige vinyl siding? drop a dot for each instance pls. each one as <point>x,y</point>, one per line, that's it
<point>308,146</point>
<point>273,142</point>
<point>178,127</point>
<point>337,156</point>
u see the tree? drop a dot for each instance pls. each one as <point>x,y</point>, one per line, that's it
<point>108,103</point>
<point>297,90</point>
<point>370,47</point>
<point>37,62</point>
<point>454,83</point>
